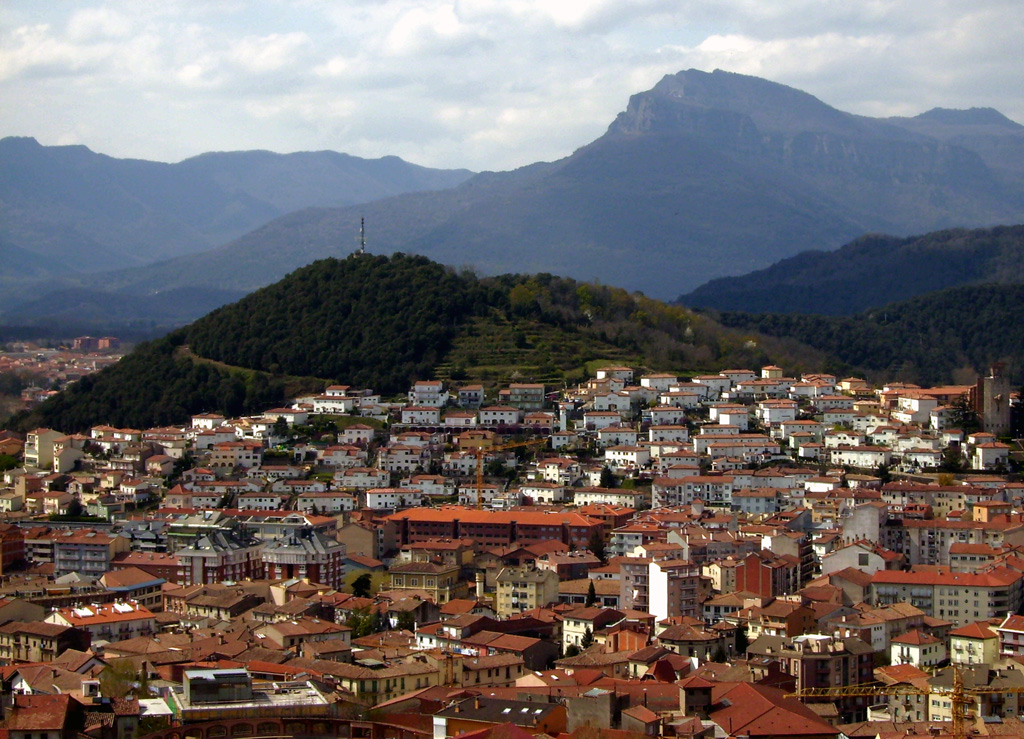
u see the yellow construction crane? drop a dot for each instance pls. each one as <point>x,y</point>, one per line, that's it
<point>480,451</point>
<point>960,696</point>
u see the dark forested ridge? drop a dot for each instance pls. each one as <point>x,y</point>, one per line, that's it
<point>154,385</point>
<point>947,336</point>
<point>374,321</point>
<point>383,322</point>
<point>871,271</point>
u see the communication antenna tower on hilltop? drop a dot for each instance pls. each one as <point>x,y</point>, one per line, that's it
<point>362,236</point>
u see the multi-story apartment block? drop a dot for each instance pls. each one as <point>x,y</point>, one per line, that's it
<point>441,580</point>
<point>1011,636</point>
<point>673,588</point>
<point>308,554</point>
<point>960,597</point>
<point>714,490</point>
<point>525,396</point>
<point>28,641</point>
<point>428,392</point>
<point>973,644</point>
<point>1001,688</point>
<point>928,541</point>
<point>576,624</point>
<point>878,626</point>
<point>393,498</point>
<point>818,661</point>
<point>328,502</point>
<point>942,498</point>
<point>777,618</point>
<point>634,579</point>
<point>221,555</point>
<point>108,622</point>
<point>767,574</point>
<point>362,478</point>
<point>231,454</point>
<point>494,528</point>
<point>758,501</point>
<point>523,589</point>
<point>39,544</point>
<point>38,450</point>
<point>625,539</point>
<point>86,552</point>
<point>12,546</point>
<point>403,458</point>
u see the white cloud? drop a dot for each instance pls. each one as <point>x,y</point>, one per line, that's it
<point>431,29</point>
<point>36,51</point>
<point>195,75</point>
<point>262,54</point>
<point>336,66</point>
<point>476,83</point>
<point>92,23</point>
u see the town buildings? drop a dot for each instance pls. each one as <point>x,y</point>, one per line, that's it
<point>672,521</point>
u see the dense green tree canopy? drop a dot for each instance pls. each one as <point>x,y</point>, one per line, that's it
<point>927,339</point>
<point>374,321</point>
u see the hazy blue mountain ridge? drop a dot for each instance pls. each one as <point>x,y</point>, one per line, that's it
<point>88,212</point>
<point>871,271</point>
<point>706,175</point>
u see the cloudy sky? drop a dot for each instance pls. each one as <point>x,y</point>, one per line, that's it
<point>482,84</point>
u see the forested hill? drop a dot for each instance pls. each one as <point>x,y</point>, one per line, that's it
<point>383,322</point>
<point>871,271</point>
<point>374,321</point>
<point>371,321</point>
<point>946,336</point>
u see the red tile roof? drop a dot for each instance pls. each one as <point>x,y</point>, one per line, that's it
<point>1000,577</point>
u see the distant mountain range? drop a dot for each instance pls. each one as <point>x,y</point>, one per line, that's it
<point>871,271</point>
<point>66,209</point>
<point>706,175</point>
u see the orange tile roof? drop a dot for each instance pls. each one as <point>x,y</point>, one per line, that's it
<point>915,638</point>
<point>999,577</point>
<point>470,515</point>
<point>900,673</point>
<point>106,613</point>
<point>977,630</point>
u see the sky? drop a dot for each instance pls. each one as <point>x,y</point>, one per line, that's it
<point>479,84</point>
